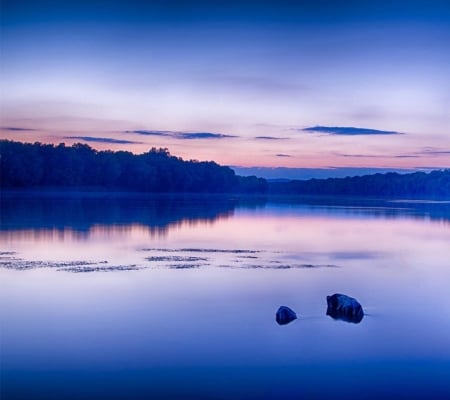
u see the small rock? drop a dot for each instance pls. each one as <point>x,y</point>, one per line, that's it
<point>285,315</point>
<point>344,308</point>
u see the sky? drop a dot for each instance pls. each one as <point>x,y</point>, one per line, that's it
<point>302,85</point>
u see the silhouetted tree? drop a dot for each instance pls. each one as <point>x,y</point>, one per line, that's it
<point>25,165</point>
<point>435,184</point>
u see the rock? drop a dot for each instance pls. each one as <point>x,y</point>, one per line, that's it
<point>344,308</point>
<point>285,315</point>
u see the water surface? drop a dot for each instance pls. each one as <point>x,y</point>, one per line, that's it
<point>120,296</point>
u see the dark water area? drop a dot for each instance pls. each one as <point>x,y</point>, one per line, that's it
<point>82,210</point>
<point>119,296</point>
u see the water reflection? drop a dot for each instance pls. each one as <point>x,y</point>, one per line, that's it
<point>60,216</point>
<point>197,317</point>
<point>374,208</point>
<point>81,214</point>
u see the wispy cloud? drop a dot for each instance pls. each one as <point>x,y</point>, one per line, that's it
<point>256,84</point>
<point>151,133</point>
<point>348,131</point>
<point>359,155</point>
<point>434,151</point>
<point>182,135</point>
<point>283,155</point>
<point>270,138</point>
<point>15,129</point>
<point>377,155</point>
<point>101,140</point>
<point>426,151</point>
<point>202,135</point>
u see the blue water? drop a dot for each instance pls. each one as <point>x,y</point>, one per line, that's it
<point>120,296</point>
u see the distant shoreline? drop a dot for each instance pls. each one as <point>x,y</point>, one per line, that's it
<point>80,168</point>
<point>88,192</point>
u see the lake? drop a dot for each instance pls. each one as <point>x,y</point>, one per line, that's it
<point>115,296</point>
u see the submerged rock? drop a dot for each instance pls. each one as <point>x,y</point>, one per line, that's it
<point>344,308</point>
<point>285,315</point>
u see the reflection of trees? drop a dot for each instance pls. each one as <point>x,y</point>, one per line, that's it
<point>88,212</point>
<point>365,208</point>
<point>82,213</point>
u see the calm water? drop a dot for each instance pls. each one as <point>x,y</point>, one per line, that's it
<point>121,297</point>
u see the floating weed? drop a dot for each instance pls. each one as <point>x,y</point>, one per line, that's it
<point>203,250</point>
<point>112,268</point>
<point>22,265</point>
<point>184,266</point>
<point>176,258</point>
<point>247,257</point>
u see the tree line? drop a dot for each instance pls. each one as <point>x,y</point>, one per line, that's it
<point>417,185</point>
<point>37,165</point>
<point>27,165</point>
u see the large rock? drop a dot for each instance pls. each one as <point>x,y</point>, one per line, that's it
<point>344,308</point>
<point>285,315</point>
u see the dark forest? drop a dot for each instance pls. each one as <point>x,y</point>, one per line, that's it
<point>26,165</point>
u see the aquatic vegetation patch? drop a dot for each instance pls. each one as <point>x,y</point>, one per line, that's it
<point>203,250</point>
<point>232,251</point>
<point>237,258</point>
<point>315,266</point>
<point>7,253</point>
<point>176,258</point>
<point>276,265</point>
<point>185,266</point>
<point>109,268</point>
<point>249,257</point>
<point>19,264</point>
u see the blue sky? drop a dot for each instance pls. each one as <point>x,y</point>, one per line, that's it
<point>299,84</point>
